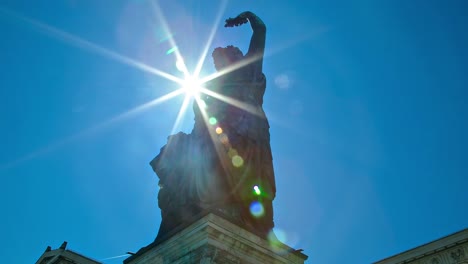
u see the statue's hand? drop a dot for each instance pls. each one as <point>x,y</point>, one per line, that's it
<point>234,22</point>
<point>237,21</point>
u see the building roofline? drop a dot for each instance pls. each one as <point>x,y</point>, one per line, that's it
<point>65,253</point>
<point>429,248</point>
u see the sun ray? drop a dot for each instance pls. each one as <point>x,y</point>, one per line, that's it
<point>91,130</point>
<point>268,53</point>
<point>144,106</point>
<point>241,105</point>
<point>211,132</point>
<point>214,138</point>
<point>181,114</point>
<point>115,257</point>
<point>231,68</point>
<point>202,58</point>
<point>163,21</point>
<point>85,44</point>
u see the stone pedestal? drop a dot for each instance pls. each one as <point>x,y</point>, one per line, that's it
<point>213,239</point>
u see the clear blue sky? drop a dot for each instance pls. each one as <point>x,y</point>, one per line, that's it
<point>366,100</point>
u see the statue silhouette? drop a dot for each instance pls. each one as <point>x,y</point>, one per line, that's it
<point>225,164</point>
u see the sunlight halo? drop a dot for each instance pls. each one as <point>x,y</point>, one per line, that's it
<point>192,86</point>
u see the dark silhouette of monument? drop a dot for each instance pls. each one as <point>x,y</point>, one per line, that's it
<point>217,183</point>
<point>225,164</point>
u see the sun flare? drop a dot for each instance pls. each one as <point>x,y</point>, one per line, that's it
<point>192,87</point>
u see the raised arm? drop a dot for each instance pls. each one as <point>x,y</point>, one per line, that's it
<point>257,42</point>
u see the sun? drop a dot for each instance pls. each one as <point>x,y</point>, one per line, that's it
<point>191,86</point>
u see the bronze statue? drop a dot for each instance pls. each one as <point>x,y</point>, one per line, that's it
<point>225,165</point>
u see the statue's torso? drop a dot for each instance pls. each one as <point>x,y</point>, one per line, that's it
<point>243,113</point>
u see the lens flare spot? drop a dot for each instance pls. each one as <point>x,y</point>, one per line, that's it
<point>171,50</point>
<point>224,139</point>
<point>275,243</point>
<point>237,161</point>
<point>282,81</point>
<point>257,190</point>
<point>279,238</point>
<point>212,120</point>
<point>219,130</point>
<point>281,235</point>
<point>180,65</point>
<point>256,209</point>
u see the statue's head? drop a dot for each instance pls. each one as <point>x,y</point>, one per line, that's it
<point>224,57</point>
